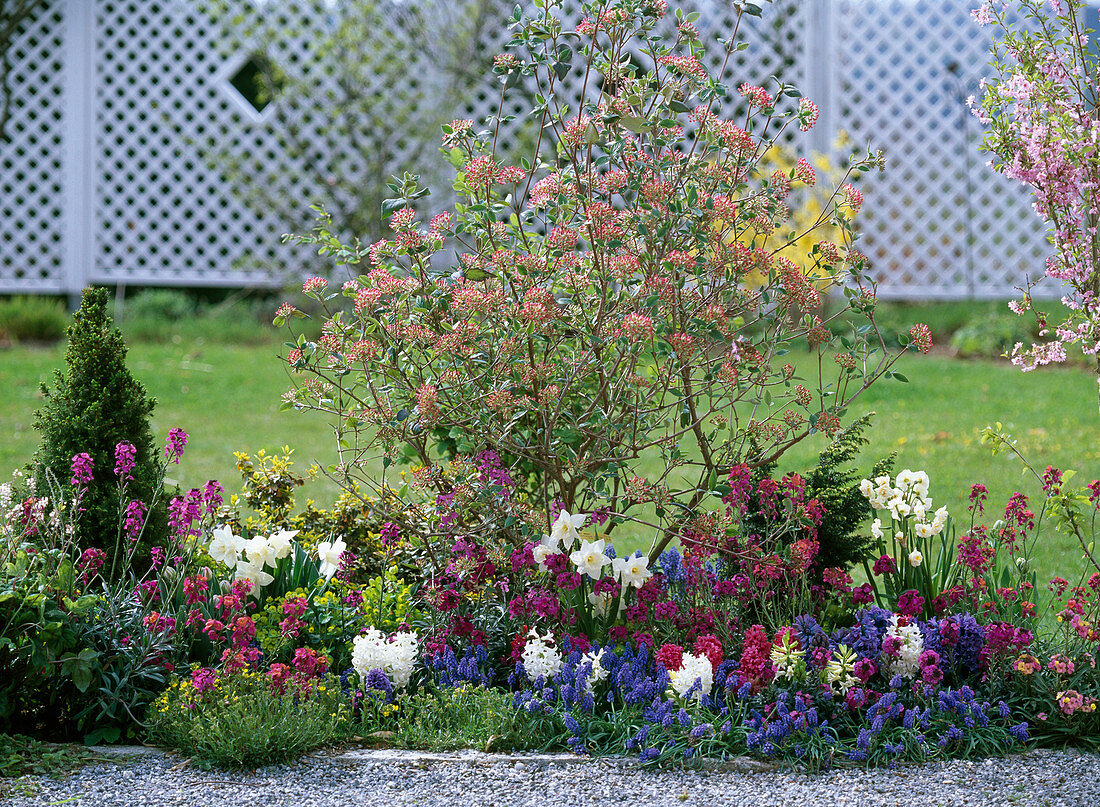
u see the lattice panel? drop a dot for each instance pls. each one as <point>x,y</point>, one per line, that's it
<point>31,165</point>
<point>163,215</point>
<point>938,222</point>
<point>132,163</point>
<point>775,49</point>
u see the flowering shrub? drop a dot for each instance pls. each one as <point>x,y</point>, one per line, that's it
<point>1042,128</point>
<point>600,307</point>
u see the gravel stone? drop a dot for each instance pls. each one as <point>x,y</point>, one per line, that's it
<point>1038,779</point>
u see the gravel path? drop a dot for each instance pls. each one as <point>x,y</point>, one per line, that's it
<point>366,778</point>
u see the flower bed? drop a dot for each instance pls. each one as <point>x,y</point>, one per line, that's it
<point>641,294</point>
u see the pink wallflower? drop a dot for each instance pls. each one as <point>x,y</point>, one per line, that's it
<point>81,469</point>
<point>309,662</point>
<point>837,579</point>
<point>910,603</point>
<point>133,520</point>
<point>884,565</point>
<point>90,561</point>
<point>1061,664</point>
<point>212,495</point>
<point>125,460</point>
<point>279,675</point>
<point>195,588</point>
<point>863,594</point>
<point>864,669</point>
<point>173,448</point>
<point>156,622</point>
<point>978,494</point>
<point>204,679</point>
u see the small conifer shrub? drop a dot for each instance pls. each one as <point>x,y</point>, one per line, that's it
<point>843,540</point>
<point>94,405</point>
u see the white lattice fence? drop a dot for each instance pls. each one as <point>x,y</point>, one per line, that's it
<point>133,160</point>
<point>32,165</point>
<point>938,222</point>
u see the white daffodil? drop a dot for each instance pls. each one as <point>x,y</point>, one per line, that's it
<point>632,571</point>
<point>224,545</point>
<point>924,530</point>
<point>329,552</point>
<point>564,529</point>
<point>867,488</point>
<point>915,558</point>
<point>543,549</point>
<point>876,529</point>
<point>590,559</point>
<point>899,508</point>
<point>281,543</point>
<point>258,551</point>
<point>254,573</point>
<point>601,604</point>
<point>940,519</point>
<point>920,485</point>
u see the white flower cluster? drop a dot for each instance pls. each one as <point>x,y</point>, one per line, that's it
<point>599,672</point>
<point>838,671</point>
<point>788,659</point>
<point>395,656</point>
<point>590,557</point>
<point>259,552</point>
<point>695,668</point>
<point>907,496</point>
<point>912,644</point>
<point>541,656</point>
<point>18,517</point>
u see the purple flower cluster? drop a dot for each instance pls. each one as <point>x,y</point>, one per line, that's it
<point>81,470</point>
<point>173,447</point>
<point>133,520</point>
<point>125,461</point>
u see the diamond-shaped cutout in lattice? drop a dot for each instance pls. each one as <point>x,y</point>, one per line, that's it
<point>255,84</point>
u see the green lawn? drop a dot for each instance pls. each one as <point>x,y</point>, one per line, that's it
<point>227,397</point>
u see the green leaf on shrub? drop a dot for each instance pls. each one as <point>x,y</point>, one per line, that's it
<point>477,274</point>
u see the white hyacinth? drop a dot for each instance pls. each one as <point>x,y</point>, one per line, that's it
<point>395,656</point>
<point>695,668</point>
<point>541,656</point>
